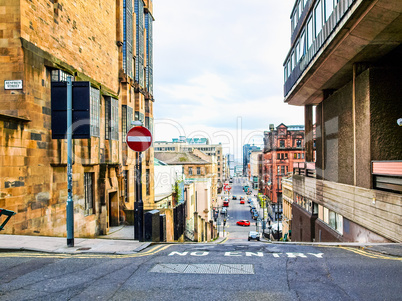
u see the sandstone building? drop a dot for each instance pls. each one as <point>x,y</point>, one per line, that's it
<point>108,44</point>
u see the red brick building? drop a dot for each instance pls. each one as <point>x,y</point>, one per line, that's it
<point>283,146</point>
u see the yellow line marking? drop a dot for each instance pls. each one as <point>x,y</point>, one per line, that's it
<point>226,238</point>
<point>149,252</point>
<point>369,254</point>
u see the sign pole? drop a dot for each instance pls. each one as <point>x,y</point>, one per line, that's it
<point>70,202</point>
<point>139,139</point>
<point>139,204</point>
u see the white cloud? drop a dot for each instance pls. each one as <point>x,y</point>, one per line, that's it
<point>215,61</point>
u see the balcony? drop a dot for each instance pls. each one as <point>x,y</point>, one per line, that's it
<point>347,37</point>
<point>376,210</point>
<point>387,175</point>
<point>304,168</point>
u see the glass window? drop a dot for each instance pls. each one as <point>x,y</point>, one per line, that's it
<point>297,52</point>
<point>190,171</point>
<point>107,118</point>
<point>329,7</point>
<point>281,143</point>
<point>310,33</point>
<point>128,37</point>
<point>339,223</point>
<point>289,69</point>
<point>140,25</point>
<point>332,219</point>
<point>114,121</point>
<point>88,188</point>
<point>318,18</point>
<point>198,170</point>
<point>95,115</point>
<point>148,186</point>
<point>127,117</point>
<point>321,212</point>
<point>302,45</point>
<point>300,8</point>
<point>326,215</point>
<point>60,76</point>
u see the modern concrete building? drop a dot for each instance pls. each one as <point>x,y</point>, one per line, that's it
<point>344,66</point>
<point>107,44</point>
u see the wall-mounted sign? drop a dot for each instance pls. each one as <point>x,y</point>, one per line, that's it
<point>13,84</point>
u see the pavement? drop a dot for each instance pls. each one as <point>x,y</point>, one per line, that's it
<point>120,241</point>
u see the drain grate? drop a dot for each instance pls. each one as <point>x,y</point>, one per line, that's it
<point>204,269</point>
<point>83,249</point>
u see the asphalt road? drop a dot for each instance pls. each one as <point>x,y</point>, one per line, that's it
<point>228,271</point>
<point>232,270</point>
<point>237,211</point>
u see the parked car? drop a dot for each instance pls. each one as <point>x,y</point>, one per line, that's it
<point>255,215</point>
<point>254,235</point>
<point>241,201</point>
<point>249,201</point>
<point>224,211</point>
<point>252,208</point>
<point>234,197</point>
<point>243,223</point>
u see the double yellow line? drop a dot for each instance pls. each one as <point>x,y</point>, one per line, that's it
<point>152,251</point>
<point>370,254</point>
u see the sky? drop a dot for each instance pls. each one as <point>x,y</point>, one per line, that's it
<point>218,70</point>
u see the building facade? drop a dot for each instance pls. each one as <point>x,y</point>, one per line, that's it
<point>43,43</point>
<point>247,150</point>
<point>344,67</point>
<point>183,144</point>
<point>199,169</point>
<point>253,170</point>
<point>283,146</point>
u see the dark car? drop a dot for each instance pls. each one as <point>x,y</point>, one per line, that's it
<point>234,197</point>
<point>254,235</point>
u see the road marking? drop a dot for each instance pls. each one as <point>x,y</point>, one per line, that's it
<point>149,252</point>
<point>370,254</point>
<point>232,269</point>
<point>249,254</point>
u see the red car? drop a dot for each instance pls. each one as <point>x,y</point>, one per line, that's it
<point>242,202</point>
<point>244,223</point>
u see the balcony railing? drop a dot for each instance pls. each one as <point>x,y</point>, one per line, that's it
<point>330,25</point>
<point>304,168</point>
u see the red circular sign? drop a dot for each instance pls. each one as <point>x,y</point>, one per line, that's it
<point>139,139</point>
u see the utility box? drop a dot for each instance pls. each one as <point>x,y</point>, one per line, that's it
<point>152,226</point>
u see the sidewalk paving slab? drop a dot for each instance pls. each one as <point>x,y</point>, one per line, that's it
<point>59,245</point>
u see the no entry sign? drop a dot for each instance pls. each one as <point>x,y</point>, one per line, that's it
<point>139,139</point>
